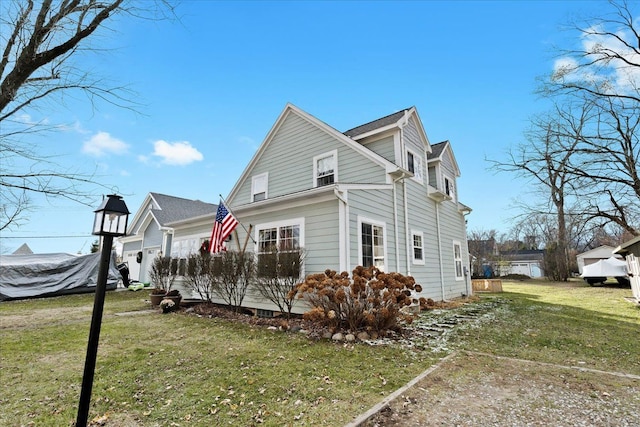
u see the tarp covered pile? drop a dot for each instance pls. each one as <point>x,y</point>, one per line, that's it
<point>24,276</point>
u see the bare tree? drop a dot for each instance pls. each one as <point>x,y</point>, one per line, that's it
<point>39,42</point>
<point>546,160</point>
<point>604,73</point>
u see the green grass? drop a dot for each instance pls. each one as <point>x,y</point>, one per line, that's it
<point>176,369</point>
<point>155,369</point>
<point>565,323</point>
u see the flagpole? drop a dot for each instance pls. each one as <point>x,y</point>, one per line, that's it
<point>234,215</point>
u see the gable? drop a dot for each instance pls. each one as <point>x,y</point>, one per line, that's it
<point>288,151</point>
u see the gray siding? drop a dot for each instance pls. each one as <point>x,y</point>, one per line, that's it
<point>288,158</point>
<point>321,232</point>
<point>132,246</point>
<point>385,148</point>
<point>376,206</point>
<point>152,236</point>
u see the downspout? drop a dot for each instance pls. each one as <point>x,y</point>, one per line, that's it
<point>406,227</point>
<point>440,249</point>
<point>395,222</point>
<point>343,231</point>
<point>466,267</point>
<point>403,150</point>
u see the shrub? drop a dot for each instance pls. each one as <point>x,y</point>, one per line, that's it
<point>162,275</point>
<point>231,274</point>
<point>278,273</point>
<point>369,301</point>
<point>197,275</point>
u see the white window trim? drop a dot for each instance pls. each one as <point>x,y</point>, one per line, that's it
<point>253,185</point>
<point>277,224</point>
<point>419,158</point>
<point>382,224</point>
<point>415,260</point>
<point>455,260</point>
<point>332,153</point>
<point>445,178</point>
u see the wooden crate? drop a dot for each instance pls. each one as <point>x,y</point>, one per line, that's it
<point>486,285</point>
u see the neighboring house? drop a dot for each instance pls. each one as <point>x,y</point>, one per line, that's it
<point>378,194</point>
<point>529,262</point>
<point>594,255</point>
<point>630,250</point>
<point>151,231</point>
<point>24,249</point>
<point>483,253</point>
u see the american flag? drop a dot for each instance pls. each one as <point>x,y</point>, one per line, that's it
<point>224,224</point>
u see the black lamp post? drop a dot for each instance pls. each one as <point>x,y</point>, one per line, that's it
<point>111,221</point>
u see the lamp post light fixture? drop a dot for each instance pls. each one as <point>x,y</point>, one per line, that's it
<point>110,221</point>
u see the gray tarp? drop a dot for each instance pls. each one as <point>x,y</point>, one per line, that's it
<point>23,276</point>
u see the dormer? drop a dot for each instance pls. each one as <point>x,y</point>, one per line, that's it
<point>399,138</point>
<point>443,170</point>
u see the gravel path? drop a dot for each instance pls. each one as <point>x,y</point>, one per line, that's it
<point>471,389</point>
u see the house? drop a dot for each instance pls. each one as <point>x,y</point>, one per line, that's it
<point>24,249</point>
<point>594,255</point>
<point>482,253</point>
<point>151,231</point>
<point>630,250</point>
<point>529,262</point>
<point>378,194</point>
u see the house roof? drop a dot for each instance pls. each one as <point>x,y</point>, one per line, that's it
<point>174,209</point>
<point>524,255</point>
<point>376,124</point>
<point>24,249</point>
<point>437,150</point>
<point>626,247</point>
<point>603,252</point>
<point>437,153</point>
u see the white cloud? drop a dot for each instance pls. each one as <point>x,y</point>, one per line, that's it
<point>614,74</point>
<point>102,144</point>
<point>176,153</point>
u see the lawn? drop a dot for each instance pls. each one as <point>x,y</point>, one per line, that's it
<point>175,369</point>
<point>184,370</point>
<point>564,323</point>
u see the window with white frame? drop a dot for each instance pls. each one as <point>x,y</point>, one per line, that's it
<point>457,259</point>
<point>414,165</point>
<point>417,239</point>
<point>277,240</point>
<point>325,169</point>
<point>449,187</point>
<point>372,243</point>
<point>259,185</point>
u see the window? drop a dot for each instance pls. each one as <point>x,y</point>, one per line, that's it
<point>372,243</point>
<point>418,247</point>
<point>259,187</point>
<point>449,187</point>
<point>325,169</point>
<point>457,259</point>
<point>414,165</point>
<point>278,245</point>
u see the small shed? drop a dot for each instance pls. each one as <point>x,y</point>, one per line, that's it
<point>630,250</point>
<point>594,255</point>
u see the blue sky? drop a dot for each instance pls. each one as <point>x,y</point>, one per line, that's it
<point>211,86</point>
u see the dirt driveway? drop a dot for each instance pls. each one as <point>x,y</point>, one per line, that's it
<point>472,389</point>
